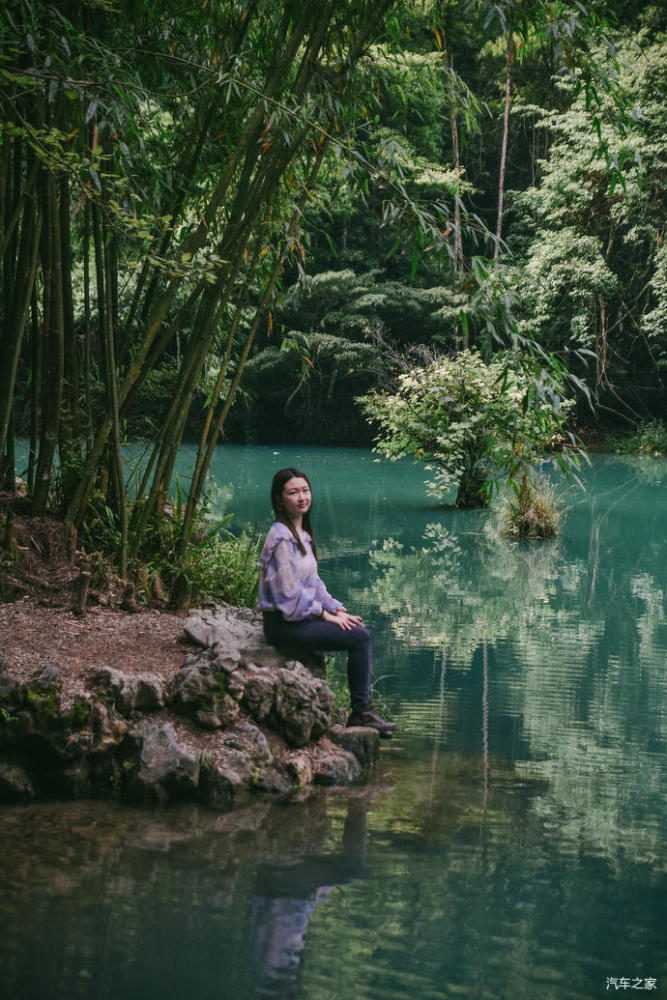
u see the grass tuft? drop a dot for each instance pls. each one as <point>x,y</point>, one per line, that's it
<point>531,510</point>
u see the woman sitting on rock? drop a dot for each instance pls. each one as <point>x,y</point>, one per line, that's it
<point>299,612</point>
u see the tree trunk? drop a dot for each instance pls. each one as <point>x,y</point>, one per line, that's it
<point>35,383</point>
<point>53,349</point>
<point>503,152</point>
<point>458,238</point>
<point>17,304</point>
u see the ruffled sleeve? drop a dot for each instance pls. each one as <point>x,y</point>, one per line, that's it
<point>278,532</point>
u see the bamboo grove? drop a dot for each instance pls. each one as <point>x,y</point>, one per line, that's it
<point>180,174</point>
<point>157,169</point>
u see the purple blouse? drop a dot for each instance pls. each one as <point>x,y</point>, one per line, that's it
<point>288,580</point>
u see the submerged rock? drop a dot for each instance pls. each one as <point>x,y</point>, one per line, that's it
<point>338,768</point>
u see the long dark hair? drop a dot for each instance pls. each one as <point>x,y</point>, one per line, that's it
<point>281,477</point>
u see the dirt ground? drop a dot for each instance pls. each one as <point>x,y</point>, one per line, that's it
<point>38,582</point>
<point>32,635</point>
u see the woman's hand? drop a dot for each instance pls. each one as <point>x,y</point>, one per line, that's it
<point>342,618</point>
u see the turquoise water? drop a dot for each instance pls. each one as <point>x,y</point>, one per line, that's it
<point>511,841</point>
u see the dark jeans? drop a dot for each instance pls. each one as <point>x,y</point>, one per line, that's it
<point>315,634</point>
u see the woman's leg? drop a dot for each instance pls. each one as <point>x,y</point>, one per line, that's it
<point>313,633</point>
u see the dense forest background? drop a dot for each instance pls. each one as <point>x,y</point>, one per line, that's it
<point>233,218</point>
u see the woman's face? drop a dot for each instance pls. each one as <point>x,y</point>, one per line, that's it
<point>296,498</point>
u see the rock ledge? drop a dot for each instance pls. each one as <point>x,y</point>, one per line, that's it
<point>238,719</point>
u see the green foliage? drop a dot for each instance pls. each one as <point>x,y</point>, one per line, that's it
<point>591,243</point>
<point>100,530</point>
<point>224,568</point>
<point>353,306</point>
<point>650,438</point>
<point>472,421</point>
<point>152,196</point>
<point>78,717</point>
<point>172,181</point>
<point>337,681</point>
<point>152,407</point>
<point>531,509</point>
<point>304,392</point>
<point>216,565</point>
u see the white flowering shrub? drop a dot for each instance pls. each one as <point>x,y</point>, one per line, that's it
<point>472,421</point>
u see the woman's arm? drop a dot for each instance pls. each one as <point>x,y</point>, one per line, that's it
<point>322,595</point>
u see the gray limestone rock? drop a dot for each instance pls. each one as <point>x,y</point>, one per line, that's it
<point>41,696</point>
<point>15,784</point>
<point>314,661</point>
<point>237,637</point>
<point>164,769</point>
<point>338,768</point>
<point>201,692</point>
<point>361,741</point>
<point>257,652</point>
<point>108,730</point>
<point>302,706</point>
<point>131,692</point>
<point>236,685</point>
<point>226,783</point>
<point>259,693</point>
<point>301,770</point>
<point>273,781</point>
<point>46,678</point>
<point>254,742</point>
<point>272,688</point>
<point>220,717</point>
<point>223,627</point>
<point>8,686</point>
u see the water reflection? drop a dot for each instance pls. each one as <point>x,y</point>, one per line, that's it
<point>552,659</point>
<point>459,878</point>
<point>286,896</point>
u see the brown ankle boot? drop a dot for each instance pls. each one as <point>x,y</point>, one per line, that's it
<point>369,717</point>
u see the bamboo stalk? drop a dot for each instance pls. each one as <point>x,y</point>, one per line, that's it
<point>54,351</point>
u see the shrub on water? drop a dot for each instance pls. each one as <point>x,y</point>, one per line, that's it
<point>531,509</point>
<point>474,422</point>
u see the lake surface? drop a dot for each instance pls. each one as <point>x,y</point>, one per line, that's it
<point>511,842</point>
